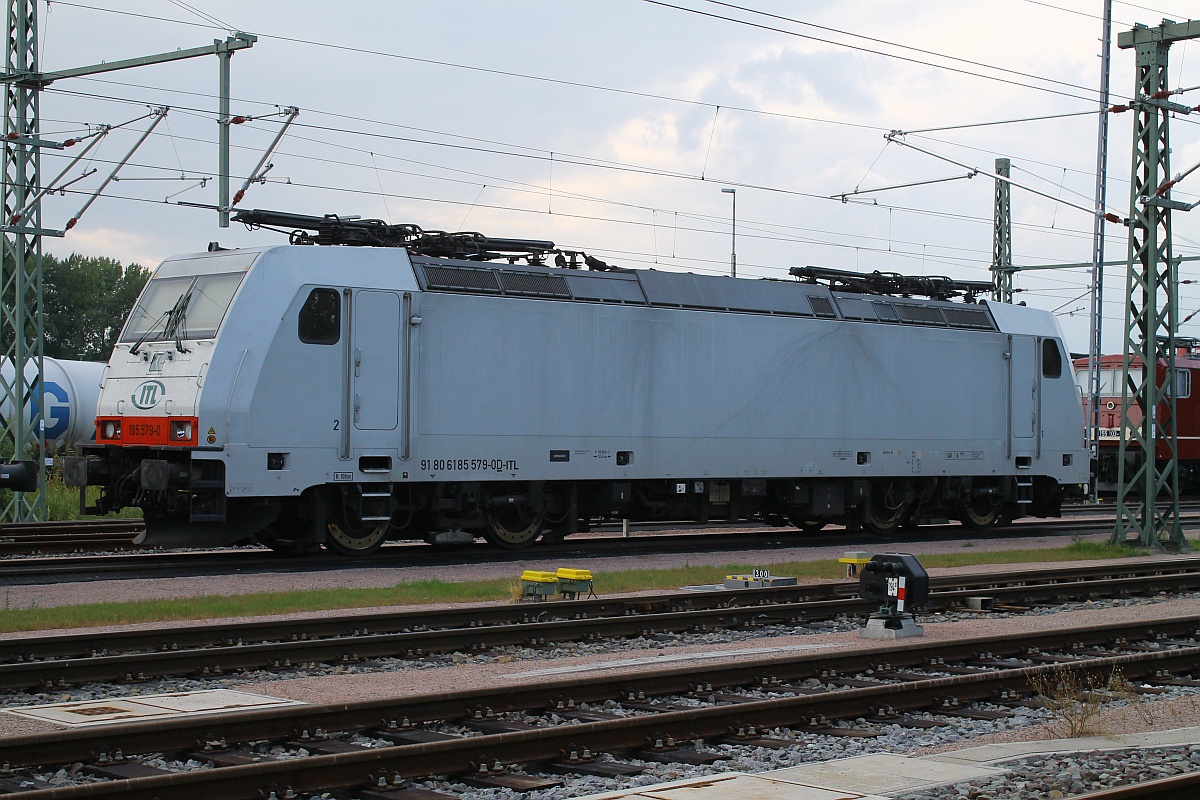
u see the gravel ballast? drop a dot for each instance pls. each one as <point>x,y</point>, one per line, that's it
<point>459,672</point>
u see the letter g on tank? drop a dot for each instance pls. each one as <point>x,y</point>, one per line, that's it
<point>148,393</point>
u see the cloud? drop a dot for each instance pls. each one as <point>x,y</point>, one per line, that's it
<point>123,245</point>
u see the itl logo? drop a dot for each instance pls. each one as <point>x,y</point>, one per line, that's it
<point>148,394</point>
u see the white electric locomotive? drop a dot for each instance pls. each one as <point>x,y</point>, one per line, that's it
<point>422,385</point>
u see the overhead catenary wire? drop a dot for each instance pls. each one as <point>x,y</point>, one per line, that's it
<point>534,155</point>
<point>520,75</point>
<point>616,90</point>
<point>203,15</point>
<point>530,187</point>
<point>935,213</point>
<point>871,51</point>
<point>472,68</point>
<point>910,48</point>
<point>979,264</point>
<point>535,149</point>
<point>1025,158</point>
<point>976,220</point>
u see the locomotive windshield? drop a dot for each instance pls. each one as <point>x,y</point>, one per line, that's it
<point>1110,380</point>
<point>184,307</point>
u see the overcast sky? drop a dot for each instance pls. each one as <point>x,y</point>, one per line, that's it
<point>611,126</point>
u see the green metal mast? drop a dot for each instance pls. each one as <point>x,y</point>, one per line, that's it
<point>1002,263</point>
<point>22,432</point>
<point>22,436</point>
<point>1147,493</point>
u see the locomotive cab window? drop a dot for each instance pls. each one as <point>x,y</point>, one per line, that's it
<point>1182,385</point>
<point>321,317</point>
<point>1051,359</point>
<point>1110,381</point>
<point>183,307</point>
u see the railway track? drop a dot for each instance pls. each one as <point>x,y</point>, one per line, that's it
<point>527,733</point>
<point>76,536</point>
<point>1173,788</point>
<point>657,540</point>
<point>215,650</point>
<point>99,535</point>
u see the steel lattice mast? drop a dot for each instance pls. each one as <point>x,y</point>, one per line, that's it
<point>1096,312</point>
<point>22,435</point>
<point>1002,262</point>
<point>1148,493</point>
<point>22,432</point>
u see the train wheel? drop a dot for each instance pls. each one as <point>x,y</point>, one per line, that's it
<point>981,513</point>
<point>887,509</point>
<point>513,528</point>
<point>809,526</point>
<point>361,540</point>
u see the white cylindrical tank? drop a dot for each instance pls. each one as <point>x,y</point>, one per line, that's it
<point>71,392</point>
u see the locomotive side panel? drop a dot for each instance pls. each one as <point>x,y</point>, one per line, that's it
<point>300,353</point>
<point>700,393</point>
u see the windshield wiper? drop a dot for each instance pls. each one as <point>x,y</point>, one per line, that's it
<point>175,320</point>
<point>173,316</point>
<point>133,351</point>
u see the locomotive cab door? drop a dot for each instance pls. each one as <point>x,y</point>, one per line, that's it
<point>373,367</point>
<point>1024,394</point>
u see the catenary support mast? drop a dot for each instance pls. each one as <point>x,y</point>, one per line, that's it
<point>22,432</point>
<point>22,436</point>
<point>1002,263</point>
<point>1096,313</point>
<point>1147,489</point>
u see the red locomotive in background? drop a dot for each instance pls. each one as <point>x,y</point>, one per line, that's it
<point>1187,410</point>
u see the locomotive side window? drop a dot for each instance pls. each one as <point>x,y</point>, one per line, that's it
<point>321,318</point>
<point>1051,359</point>
<point>1182,385</point>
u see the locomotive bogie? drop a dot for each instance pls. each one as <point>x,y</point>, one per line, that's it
<point>344,396</point>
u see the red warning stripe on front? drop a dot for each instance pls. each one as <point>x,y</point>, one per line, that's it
<point>147,431</point>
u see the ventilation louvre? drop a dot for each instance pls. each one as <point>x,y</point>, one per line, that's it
<point>885,313</point>
<point>920,315</point>
<point>855,308</point>
<point>461,279</point>
<point>822,307</point>
<point>534,284</point>
<point>975,318</point>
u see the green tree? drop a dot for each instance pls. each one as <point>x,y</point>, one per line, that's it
<point>85,303</point>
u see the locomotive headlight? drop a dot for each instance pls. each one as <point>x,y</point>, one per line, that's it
<point>181,430</point>
<point>112,429</point>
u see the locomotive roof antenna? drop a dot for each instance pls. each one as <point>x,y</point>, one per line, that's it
<point>21,319</point>
<point>1148,494</point>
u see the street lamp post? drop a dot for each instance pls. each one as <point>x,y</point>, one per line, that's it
<point>733,235</point>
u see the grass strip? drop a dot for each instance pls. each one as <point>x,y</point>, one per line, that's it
<point>443,592</point>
